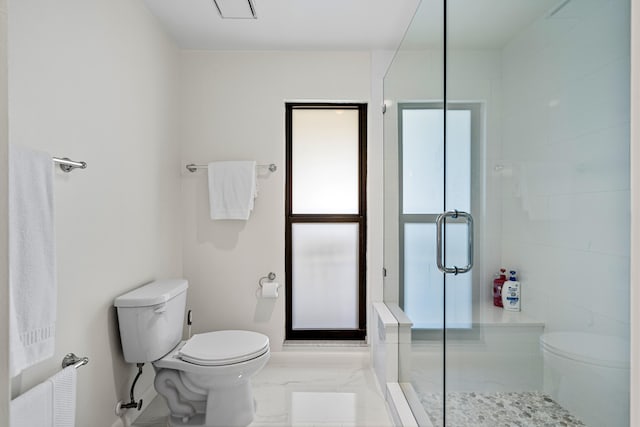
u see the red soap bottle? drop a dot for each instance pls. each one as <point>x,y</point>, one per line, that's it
<point>497,287</point>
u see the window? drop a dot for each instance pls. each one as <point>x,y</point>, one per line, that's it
<point>435,178</point>
<point>325,221</point>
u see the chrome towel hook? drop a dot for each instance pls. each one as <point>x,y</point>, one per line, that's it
<point>72,359</point>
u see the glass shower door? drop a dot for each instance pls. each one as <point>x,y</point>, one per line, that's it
<point>553,81</point>
<point>414,197</point>
<point>437,236</point>
<point>516,112</point>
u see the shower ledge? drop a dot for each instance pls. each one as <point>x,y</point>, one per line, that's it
<point>489,315</point>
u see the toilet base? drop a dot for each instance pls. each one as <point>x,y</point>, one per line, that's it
<point>196,420</point>
<point>227,405</point>
<point>232,406</point>
<point>208,396</point>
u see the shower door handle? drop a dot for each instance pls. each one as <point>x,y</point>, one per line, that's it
<point>439,232</point>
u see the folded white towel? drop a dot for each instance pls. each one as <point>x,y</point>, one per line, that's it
<point>51,403</point>
<point>232,189</point>
<point>32,272</point>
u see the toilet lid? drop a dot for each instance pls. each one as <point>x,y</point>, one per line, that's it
<point>600,350</point>
<point>224,347</point>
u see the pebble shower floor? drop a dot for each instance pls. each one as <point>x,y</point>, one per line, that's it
<point>521,409</point>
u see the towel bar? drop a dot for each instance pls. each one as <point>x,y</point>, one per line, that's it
<point>192,167</point>
<point>72,359</point>
<point>67,165</point>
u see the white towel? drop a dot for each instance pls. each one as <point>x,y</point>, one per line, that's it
<point>33,408</point>
<point>64,397</point>
<point>51,403</point>
<point>32,273</point>
<point>232,189</point>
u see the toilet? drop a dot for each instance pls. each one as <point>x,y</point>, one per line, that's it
<point>205,380</point>
<point>588,374</point>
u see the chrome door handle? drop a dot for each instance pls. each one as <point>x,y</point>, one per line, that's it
<point>439,223</point>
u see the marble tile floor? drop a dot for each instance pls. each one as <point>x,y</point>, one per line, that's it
<point>307,388</point>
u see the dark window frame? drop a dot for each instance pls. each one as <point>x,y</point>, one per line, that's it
<point>360,218</point>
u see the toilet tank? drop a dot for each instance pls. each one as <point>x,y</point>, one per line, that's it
<point>151,319</point>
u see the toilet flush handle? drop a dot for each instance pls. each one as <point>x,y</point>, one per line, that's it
<point>160,308</point>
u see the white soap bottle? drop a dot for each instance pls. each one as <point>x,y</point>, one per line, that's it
<point>511,293</point>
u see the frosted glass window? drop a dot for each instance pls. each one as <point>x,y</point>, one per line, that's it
<point>422,161</point>
<point>434,181</point>
<point>325,151</point>
<point>424,284</point>
<point>458,287</point>
<point>325,275</point>
<point>458,160</point>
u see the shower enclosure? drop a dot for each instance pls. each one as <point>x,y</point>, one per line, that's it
<point>506,144</point>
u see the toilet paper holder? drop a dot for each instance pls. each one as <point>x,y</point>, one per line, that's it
<point>270,277</point>
<point>268,289</point>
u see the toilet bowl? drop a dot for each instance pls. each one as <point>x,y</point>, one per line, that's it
<point>214,371</point>
<point>205,380</point>
<point>588,374</point>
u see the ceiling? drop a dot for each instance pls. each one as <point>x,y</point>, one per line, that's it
<point>288,24</point>
<point>474,24</point>
<point>347,24</point>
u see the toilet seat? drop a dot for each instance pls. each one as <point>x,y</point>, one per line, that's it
<point>221,348</point>
<point>594,349</point>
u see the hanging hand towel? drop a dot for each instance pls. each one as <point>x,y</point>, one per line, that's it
<point>64,397</point>
<point>51,403</point>
<point>33,408</point>
<point>32,273</point>
<point>232,189</point>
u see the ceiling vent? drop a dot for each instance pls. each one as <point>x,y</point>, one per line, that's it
<point>236,9</point>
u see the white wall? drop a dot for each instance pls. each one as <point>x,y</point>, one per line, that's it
<point>232,108</point>
<point>565,141</point>
<point>4,268</point>
<point>95,81</point>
